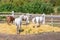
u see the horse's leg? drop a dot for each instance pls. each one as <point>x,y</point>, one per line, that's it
<point>12,21</point>
<point>34,25</point>
<point>34,22</point>
<point>38,23</point>
<point>17,29</point>
<point>8,19</point>
<point>20,29</point>
<point>8,22</point>
<point>26,23</point>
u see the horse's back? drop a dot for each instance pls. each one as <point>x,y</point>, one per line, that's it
<point>18,20</point>
<point>10,19</point>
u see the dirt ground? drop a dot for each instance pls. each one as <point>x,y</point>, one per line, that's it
<point>6,30</point>
<point>43,36</point>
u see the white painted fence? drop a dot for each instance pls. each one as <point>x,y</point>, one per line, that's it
<point>54,19</point>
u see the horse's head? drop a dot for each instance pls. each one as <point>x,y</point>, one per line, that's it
<point>21,17</point>
<point>43,15</point>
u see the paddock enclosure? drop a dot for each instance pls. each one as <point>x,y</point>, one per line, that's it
<point>50,19</point>
<point>48,31</point>
<point>47,27</point>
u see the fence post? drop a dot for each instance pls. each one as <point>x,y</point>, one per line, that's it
<point>51,19</point>
<point>43,18</point>
<point>13,13</point>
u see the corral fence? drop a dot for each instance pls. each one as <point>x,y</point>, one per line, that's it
<point>53,20</point>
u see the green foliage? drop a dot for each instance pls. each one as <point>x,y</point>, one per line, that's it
<point>6,7</point>
<point>37,7</point>
<point>25,6</point>
<point>55,2</point>
<point>58,9</point>
<point>47,8</point>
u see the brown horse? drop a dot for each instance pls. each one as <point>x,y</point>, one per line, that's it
<point>10,19</point>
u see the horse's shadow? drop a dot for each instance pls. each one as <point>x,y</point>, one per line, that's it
<point>25,24</point>
<point>21,30</point>
<point>9,24</point>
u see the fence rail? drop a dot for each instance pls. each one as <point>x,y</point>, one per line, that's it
<point>49,19</point>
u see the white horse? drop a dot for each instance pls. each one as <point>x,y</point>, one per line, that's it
<point>18,23</point>
<point>38,20</point>
<point>25,18</point>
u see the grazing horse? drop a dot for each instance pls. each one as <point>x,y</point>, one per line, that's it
<point>10,19</point>
<point>18,22</point>
<point>38,20</point>
<point>25,18</point>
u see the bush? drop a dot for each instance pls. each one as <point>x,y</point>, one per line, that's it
<point>48,8</point>
<point>58,9</point>
<point>31,7</point>
<point>37,7</point>
<point>6,7</point>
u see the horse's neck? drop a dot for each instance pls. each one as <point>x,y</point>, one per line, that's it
<point>21,17</point>
<point>12,14</point>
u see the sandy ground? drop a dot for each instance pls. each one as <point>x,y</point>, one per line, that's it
<point>29,29</point>
<point>45,32</point>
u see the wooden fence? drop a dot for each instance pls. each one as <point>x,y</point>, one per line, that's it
<point>49,19</point>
